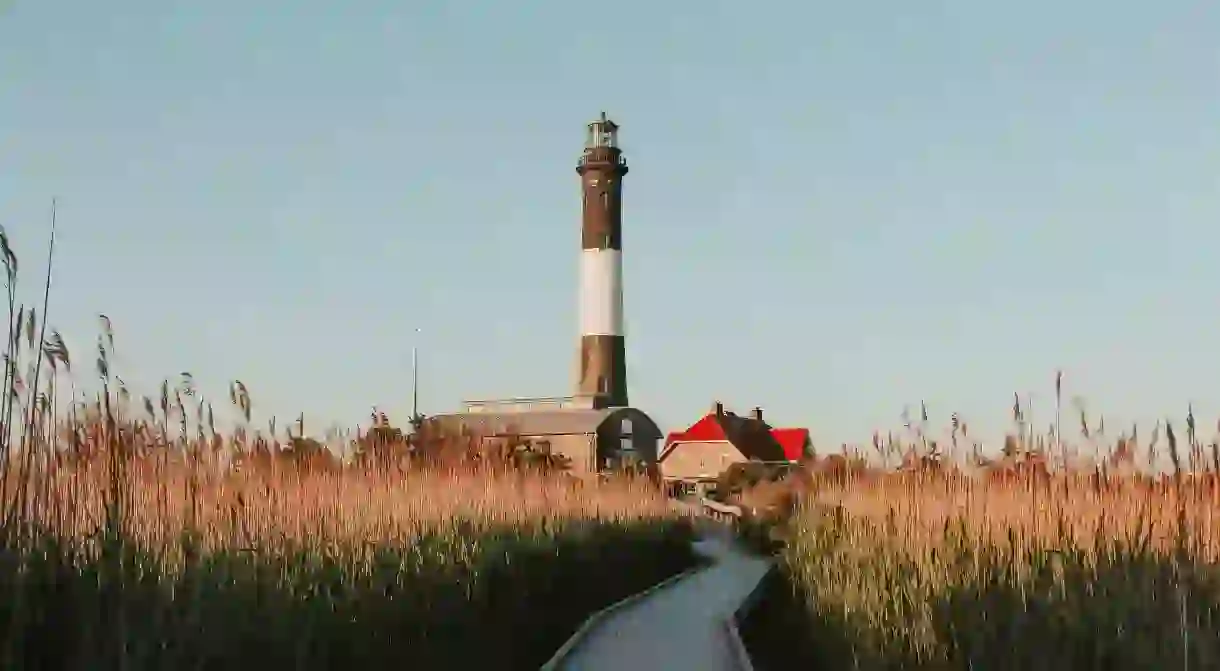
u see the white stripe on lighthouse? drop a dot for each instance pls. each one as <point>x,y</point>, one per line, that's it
<point>601,292</point>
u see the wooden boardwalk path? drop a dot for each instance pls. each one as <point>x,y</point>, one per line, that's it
<point>680,626</point>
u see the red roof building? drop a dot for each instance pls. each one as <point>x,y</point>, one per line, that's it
<point>721,438</point>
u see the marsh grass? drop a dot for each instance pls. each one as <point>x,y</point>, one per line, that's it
<point>136,535</point>
<point>331,569</point>
<point>946,571</point>
<point>1056,554</point>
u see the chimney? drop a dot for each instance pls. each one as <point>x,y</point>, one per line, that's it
<point>758,413</point>
<point>718,409</point>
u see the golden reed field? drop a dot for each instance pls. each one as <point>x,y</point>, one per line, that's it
<point>135,534</point>
<point>124,550</point>
<point>1017,563</point>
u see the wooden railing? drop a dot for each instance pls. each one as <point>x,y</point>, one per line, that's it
<point>721,512</point>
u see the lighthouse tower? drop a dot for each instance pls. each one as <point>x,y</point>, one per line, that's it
<point>603,360</point>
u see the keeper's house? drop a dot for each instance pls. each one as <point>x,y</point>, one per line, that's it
<point>692,459</point>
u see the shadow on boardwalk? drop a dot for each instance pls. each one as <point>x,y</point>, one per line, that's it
<point>681,626</point>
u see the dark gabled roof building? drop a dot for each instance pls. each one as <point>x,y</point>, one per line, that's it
<point>592,439</point>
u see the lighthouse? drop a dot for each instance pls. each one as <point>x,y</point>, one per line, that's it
<point>594,429</point>
<point>603,359</point>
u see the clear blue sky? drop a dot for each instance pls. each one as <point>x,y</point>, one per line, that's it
<point>834,209</point>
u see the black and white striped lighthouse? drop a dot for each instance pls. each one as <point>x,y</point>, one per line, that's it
<point>603,360</point>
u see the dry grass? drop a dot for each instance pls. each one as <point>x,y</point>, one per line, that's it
<point>354,567</point>
<point>260,508</point>
<point>1040,558</point>
<point>136,535</point>
<point>936,569</point>
<point>1068,508</point>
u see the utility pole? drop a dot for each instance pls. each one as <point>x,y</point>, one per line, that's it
<point>1058,426</point>
<point>415,418</point>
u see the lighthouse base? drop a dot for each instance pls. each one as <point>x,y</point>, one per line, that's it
<point>603,369</point>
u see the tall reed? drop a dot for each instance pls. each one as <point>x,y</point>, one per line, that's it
<point>941,570</point>
<point>136,534</point>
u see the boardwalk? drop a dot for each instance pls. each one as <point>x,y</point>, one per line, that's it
<point>680,627</point>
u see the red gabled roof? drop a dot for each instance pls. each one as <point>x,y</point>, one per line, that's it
<point>793,441</point>
<point>710,428</point>
<point>707,428</point>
